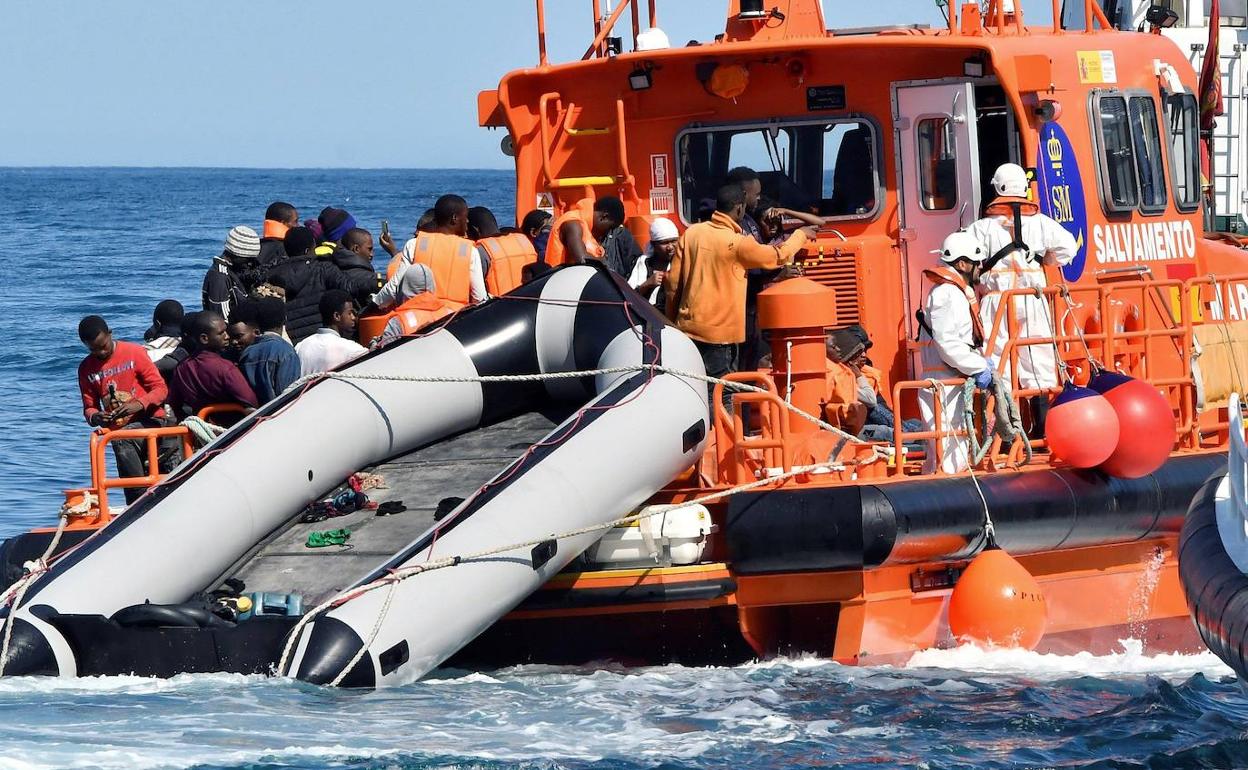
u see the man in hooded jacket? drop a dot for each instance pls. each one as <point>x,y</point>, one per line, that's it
<point>304,277</point>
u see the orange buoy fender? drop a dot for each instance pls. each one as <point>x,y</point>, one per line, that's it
<point>1082,428</point>
<point>997,602</point>
<point>1145,421</point>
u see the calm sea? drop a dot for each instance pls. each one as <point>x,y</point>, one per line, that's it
<point>117,241</point>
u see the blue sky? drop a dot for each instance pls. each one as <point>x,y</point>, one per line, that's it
<point>278,83</point>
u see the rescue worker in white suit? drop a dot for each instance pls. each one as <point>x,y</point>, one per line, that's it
<point>1020,242</point>
<point>950,322</point>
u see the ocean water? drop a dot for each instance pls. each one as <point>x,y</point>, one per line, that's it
<point>115,242</point>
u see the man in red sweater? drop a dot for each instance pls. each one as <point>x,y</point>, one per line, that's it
<point>120,386</point>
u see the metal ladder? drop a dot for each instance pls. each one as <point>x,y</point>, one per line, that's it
<point>1229,194</point>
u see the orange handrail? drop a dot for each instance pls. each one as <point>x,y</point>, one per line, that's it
<point>222,408</point>
<point>101,484</point>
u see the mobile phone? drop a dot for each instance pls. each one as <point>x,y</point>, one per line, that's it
<point>385,228</point>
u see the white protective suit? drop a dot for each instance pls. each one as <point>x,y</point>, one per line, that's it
<point>951,353</point>
<point>1037,364</point>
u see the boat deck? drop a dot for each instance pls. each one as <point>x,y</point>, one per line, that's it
<point>455,467</point>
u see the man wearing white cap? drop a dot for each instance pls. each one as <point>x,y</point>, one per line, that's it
<point>223,288</point>
<point>1019,242</point>
<point>950,326</point>
<point>650,271</point>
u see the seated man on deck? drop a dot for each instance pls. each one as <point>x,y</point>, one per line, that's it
<point>418,304</point>
<point>207,377</point>
<point>333,343</point>
<point>853,380</point>
<point>269,363</point>
<point>163,341</point>
<point>120,386</point>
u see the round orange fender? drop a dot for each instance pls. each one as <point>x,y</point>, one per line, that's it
<point>996,601</point>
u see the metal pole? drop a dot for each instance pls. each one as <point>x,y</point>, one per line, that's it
<point>597,46</point>
<point>541,33</point>
<point>636,21</point>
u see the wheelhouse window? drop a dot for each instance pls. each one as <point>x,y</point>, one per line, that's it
<point>825,167</point>
<point>1182,133</point>
<point>1119,191</point>
<point>938,163</point>
<point>1146,138</point>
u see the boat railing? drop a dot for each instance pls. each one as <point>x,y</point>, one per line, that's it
<point>604,25</point>
<point>742,452</point>
<point>1140,328</point>
<point>101,483</point>
<point>211,413</point>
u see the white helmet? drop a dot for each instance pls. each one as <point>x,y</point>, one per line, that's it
<point>1010,180</point>
<point>961,245</point>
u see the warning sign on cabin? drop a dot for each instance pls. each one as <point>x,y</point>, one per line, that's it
<point>662,200</point>
<point>659,171</point>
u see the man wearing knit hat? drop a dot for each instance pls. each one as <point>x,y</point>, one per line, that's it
<point>223,285</point>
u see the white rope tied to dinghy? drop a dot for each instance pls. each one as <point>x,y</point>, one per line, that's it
<point>404,573</point>
<point>13,596</point>
<point>657,368</point>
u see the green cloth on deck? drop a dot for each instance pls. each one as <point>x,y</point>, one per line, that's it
<point>328,537</point>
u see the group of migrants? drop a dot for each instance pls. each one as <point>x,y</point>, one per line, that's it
<point>283,304</point>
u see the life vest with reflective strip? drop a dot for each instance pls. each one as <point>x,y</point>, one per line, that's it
<point>582,212</point>
<point>508,255</point>
<point>947,275</point>
<point>420,310</point>
<point>450,258</point>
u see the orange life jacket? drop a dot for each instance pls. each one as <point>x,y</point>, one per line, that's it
<point>508,255</point>
<point>582,212</point>
<point>450,258</point>
<point>1003,205</point>
<point>274,229</point>
<point>424,308</point>
<point>947,275</point>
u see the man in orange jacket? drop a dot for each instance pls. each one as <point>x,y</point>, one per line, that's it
<point>706,282</point>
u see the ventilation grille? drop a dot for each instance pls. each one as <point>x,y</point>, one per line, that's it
<point>839,273</point>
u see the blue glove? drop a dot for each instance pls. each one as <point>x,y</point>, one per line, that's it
<point>983,380</point>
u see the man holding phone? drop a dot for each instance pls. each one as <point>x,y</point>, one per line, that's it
<point>120,385</point>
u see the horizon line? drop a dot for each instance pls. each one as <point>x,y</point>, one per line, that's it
<point>124,167</point>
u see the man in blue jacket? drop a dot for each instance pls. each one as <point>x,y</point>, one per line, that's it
<point>270,363</point>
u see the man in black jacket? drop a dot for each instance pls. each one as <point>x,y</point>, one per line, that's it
<point>223,284</point>
<point>304,277</point>
<point>354,257</point>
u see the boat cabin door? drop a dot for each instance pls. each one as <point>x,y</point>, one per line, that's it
<point>938,177</point>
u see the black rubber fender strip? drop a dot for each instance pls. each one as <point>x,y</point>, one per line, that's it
<point>1215,590</point>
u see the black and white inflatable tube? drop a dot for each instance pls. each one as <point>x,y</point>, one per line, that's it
<point>636,431</point>
<point>1213,554</point>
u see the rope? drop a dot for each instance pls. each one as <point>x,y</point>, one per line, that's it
<point>13,597</point>
<point>203,431</point>
<point>656,368</point>
<point>1007,422</point>
<point>399,575</point>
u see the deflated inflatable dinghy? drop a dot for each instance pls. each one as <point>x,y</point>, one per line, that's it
<point>635,429</point>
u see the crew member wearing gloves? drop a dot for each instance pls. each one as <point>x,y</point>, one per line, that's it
<point>1019,242</point>
<point>951,325</point>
